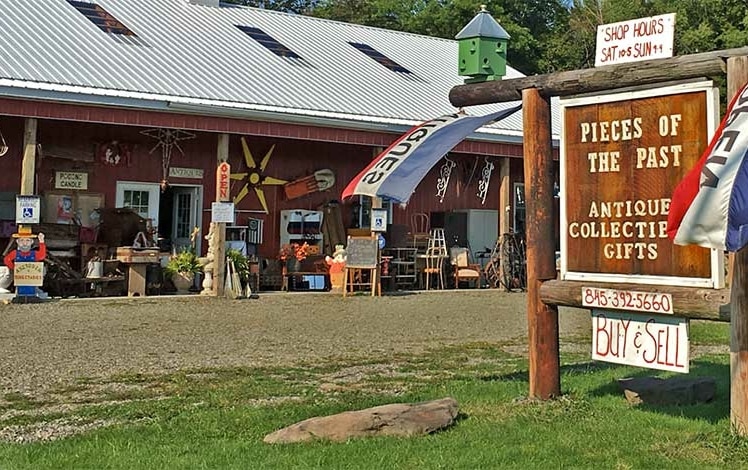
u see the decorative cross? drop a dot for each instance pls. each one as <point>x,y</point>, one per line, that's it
<point>167,140</point>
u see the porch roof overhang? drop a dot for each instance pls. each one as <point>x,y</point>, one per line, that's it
<point>207,115</point>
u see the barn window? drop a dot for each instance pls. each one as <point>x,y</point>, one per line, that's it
<point>266,40</point>
<point>379,57</point>
<point>101,18</point>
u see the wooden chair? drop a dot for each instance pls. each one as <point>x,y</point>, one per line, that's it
<point>435,258</point>
<point>463,269</point>
<point>419,230</point>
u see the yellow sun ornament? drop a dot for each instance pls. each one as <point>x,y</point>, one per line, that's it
<point>255,177</point>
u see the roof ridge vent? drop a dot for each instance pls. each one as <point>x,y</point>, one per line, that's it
<point>206,3</point>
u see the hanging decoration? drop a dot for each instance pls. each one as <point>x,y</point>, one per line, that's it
<point>485,180</point>
<point>3,145</point>
<point>114,153</point>
<point>443,181</point>
<point>255,177</point>
<point>321,180</point>
<point>167,140</point>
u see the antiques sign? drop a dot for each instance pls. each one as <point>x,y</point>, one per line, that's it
<point>190,173</point>
<point>621,157</point>
<point>71,180</point>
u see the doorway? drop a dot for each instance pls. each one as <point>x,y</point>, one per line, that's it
<point>174,213</point>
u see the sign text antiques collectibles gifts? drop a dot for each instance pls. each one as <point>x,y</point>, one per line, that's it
<point>621,157</point>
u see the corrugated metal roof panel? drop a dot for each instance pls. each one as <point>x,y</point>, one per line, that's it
<point>197,52</point>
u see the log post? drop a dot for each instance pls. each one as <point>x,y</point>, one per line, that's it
<point>737,76</point>
<point>505,196</point>
<point>28,166</point>
<point>542,319</point>
<point>219,262</point>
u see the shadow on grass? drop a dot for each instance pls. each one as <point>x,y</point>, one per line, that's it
<point>578,368</point>
<point>712,412</point>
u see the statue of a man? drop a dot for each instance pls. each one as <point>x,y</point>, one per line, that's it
<point>24,252</point>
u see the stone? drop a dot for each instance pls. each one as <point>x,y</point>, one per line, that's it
<point>671,391</point>
<point>398,419</point>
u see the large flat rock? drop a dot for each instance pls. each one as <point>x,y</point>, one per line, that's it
<point>397,419</point>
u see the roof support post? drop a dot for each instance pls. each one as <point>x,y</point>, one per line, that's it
<point>28,166</point>
<point>219,261</point>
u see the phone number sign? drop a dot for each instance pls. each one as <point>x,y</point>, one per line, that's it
<point>652,302</point>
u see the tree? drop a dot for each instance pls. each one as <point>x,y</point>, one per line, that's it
<point>529,23</point>
<point>290,6</point>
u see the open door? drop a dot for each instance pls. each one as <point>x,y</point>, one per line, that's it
<point>185,215</point>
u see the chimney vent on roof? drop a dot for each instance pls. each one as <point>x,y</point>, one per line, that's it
<point>206,3</point>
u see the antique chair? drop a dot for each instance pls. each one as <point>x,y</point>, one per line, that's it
<point>419,230</point>
<point>434,262</point>
<point>463,269</point>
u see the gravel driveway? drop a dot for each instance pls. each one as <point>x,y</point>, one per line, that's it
<point>48,344</point>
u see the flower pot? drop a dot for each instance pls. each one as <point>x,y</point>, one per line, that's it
<point>293,265</point>
<point>183,282</point>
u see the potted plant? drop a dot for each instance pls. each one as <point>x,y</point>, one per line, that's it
<point>182,268</point>
<point>291,255</point>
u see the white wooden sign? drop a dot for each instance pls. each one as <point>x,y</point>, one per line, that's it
<point>189,173</point>
<point>28,274</point>
<point>652,302</point>
<point>28,209</point>
<point>71,180</point>
<point>634,40</point>
<point>641,340</point>
<point>222,212</point>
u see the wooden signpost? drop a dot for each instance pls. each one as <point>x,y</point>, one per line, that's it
<point>544,292</point>
<point>362,253</point>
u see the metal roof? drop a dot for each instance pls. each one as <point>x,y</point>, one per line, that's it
<point>194,58</point>
<point>484,25</point>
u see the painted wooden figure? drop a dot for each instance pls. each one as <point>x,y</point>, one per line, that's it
<point>24,252</point>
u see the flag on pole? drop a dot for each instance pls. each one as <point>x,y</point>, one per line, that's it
<point>709,207</point>
<point>396,172</point>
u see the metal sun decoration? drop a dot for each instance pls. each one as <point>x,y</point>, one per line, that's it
<point>485,180</point>
<point>443,181</point>
<point>255,177</point>
<point>167,140</point>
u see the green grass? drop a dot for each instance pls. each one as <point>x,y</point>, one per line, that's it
<point>217,418</point>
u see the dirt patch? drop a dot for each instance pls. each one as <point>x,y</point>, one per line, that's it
<point>60,343</point>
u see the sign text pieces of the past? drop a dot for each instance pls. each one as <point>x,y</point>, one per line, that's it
<point>622,155</point>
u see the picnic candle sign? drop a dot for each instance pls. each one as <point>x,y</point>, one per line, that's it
<point>621,157</point>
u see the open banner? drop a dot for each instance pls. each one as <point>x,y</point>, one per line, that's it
<point>396,172</point>
<point>709,207</point>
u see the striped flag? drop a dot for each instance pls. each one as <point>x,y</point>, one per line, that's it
<point>709,207</point>
<point>396,172</point>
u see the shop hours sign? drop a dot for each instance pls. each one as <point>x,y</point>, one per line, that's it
<point>621,157</point>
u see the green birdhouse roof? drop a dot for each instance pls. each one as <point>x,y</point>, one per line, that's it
<point>483,25</point>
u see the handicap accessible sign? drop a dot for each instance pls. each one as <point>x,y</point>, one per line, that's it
<point>28,209</point>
